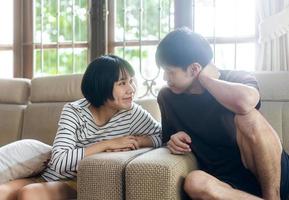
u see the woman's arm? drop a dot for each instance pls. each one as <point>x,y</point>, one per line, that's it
<point>65,153</point>
<point>146,129</point>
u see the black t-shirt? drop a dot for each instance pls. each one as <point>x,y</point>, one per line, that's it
<point>209,124</point>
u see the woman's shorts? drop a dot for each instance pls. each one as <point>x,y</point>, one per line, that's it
<point>72,183</point>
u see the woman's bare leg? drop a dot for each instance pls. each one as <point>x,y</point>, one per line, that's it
<point>9,190</point>
<point>47,191</point>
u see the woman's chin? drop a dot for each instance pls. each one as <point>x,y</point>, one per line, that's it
<point>127,105</point>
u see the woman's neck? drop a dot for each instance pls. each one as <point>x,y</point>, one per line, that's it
<point>102,115</point>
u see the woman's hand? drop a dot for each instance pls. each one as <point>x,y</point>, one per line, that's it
<point>142,141</point>
<point>122,143</point>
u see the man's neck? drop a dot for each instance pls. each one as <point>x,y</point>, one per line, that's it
<point>196,88</point>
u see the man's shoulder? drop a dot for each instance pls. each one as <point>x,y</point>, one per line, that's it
<point>165,91</point>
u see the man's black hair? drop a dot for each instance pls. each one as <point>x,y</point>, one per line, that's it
<point>182,47</point>
<point>100,76</point>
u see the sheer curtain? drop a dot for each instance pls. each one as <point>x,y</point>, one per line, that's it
<point>273,54</point>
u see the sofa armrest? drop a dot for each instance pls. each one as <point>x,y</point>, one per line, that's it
<point>158,174</point>
<point>101,176</point>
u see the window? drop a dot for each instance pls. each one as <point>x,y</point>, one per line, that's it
<point>6,39</point>
<point>135,28</point>
<point>230,26</point>
<point>60,36</point>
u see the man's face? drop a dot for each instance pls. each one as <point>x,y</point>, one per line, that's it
<point>178,80</point>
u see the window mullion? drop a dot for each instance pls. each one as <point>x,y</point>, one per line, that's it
<point>73,36</point>
<point>58,26</point>
<point>27,39</point>
<point>141,10</point>
<point>41,40</point>
<point>98,19</point>
<point>183,13</point>
<point>124,27</point>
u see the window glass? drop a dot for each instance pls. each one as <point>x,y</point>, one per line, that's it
<point>6,64</point>
<point>61,35</point>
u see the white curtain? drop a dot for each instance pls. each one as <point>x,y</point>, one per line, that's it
<point>273,49</point>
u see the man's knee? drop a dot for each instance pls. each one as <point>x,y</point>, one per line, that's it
<point>197,184</point>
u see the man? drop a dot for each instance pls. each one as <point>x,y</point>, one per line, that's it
<point>214,113</point>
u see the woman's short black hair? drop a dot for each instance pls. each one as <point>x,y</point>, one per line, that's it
<point>100,76</point>
<point>182,47</point>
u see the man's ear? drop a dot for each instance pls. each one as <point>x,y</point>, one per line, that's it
<point>194,69</point>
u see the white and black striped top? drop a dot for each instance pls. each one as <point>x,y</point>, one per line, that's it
<point>78,130</point>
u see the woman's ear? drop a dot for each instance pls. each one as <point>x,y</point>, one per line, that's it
<point>194,69</point>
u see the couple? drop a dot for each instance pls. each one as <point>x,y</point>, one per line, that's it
<point>212,113</point>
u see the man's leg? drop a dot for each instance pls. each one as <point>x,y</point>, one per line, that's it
<point>201,185</point>
<point>261,150</point>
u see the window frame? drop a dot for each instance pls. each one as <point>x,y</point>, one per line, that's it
<point>100,33</point>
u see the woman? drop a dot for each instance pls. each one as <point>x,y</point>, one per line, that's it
<point>105,120</point>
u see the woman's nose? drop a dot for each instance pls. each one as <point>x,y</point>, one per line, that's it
<point>131,88</point>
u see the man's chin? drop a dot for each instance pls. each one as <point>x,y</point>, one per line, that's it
<point>175,90</point>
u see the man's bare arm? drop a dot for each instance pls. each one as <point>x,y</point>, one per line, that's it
<point>237,97</point>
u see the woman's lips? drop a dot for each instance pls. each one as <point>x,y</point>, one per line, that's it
<point>128,99</point>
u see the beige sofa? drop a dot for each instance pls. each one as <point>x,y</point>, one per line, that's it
<point>31,109</point>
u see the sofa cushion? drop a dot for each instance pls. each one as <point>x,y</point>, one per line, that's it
<point>158,174</point>
<point>11,118</point>
<point>14,91</point>
<point>274,86</point>
<point>41,121</point>
<point>22,159</point>
<point>63,88</point>
<point>274,90</point>
<point>151,106</point>
<point>101,176</point>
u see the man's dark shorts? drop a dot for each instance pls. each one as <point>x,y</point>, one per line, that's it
<point>244,180</point>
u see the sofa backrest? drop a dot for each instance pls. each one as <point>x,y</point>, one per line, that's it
<point>14,95</point>
<point>274,90</point>
<point>151,105</point>
<point>48,96</point>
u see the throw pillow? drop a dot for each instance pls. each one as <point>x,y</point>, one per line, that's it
<point>22,159</point>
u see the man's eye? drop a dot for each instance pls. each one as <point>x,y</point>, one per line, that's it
<point>122,83</point>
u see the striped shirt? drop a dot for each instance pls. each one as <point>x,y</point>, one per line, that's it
<point>77,130</point>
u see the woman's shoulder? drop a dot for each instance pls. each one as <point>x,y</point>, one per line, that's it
<point>76,106</point>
